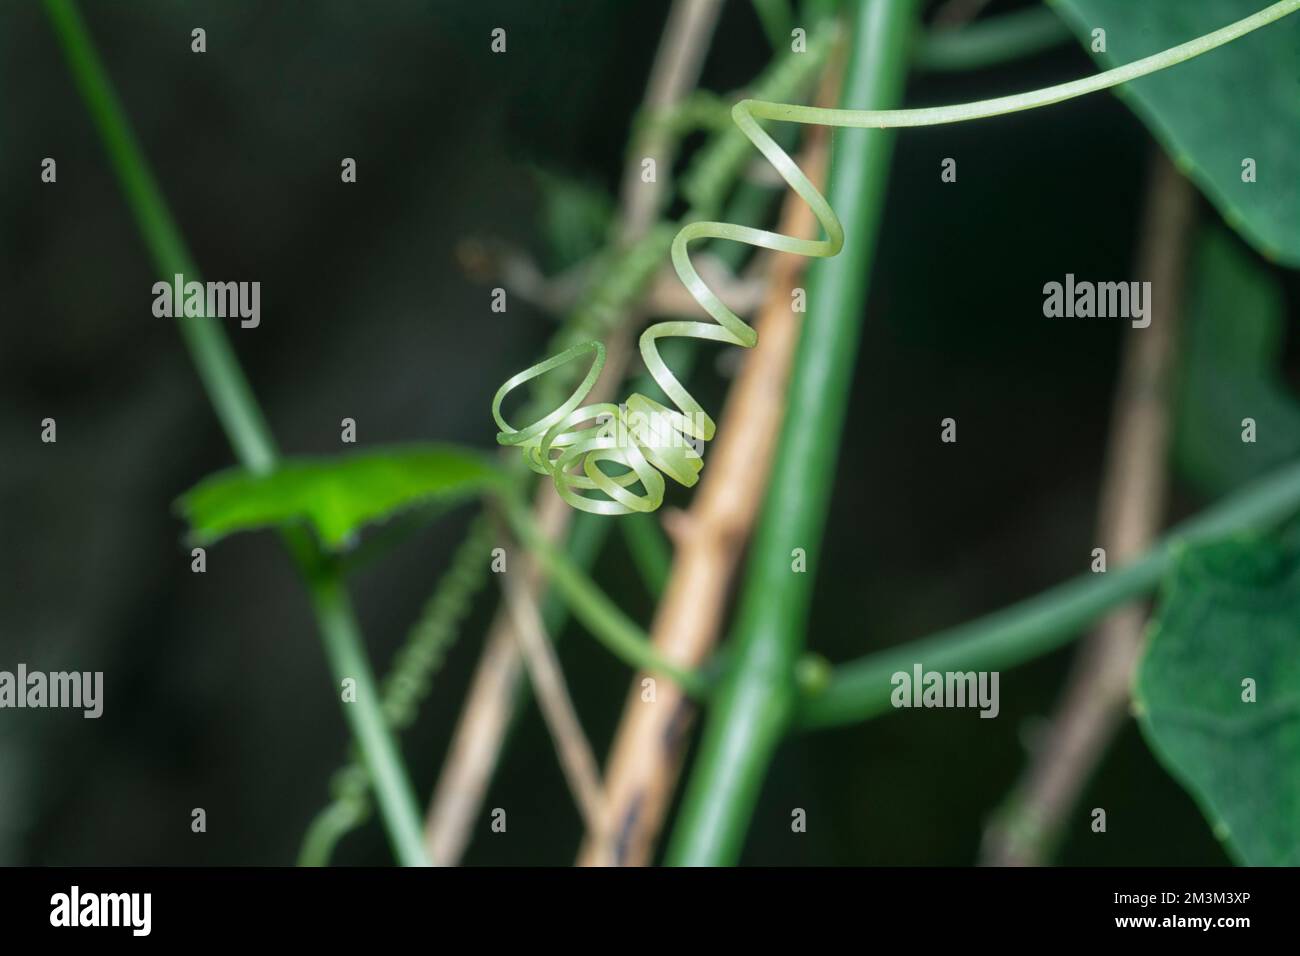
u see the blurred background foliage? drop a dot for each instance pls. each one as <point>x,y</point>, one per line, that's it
<point>216,692</point>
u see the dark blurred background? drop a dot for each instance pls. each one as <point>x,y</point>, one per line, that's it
<point>217,694</point>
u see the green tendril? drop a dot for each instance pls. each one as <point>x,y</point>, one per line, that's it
<point>644,440</point>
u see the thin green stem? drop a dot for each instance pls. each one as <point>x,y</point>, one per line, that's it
<point>587,536</point>
<point>224,382</point>
<point>365,715</point>
<point>991,42</point>
<point>860,690</point>
<point>755,702</point>
<point>242,420</point>
<point>606,621</point>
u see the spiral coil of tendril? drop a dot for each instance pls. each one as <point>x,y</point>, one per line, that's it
<point>646,438</point>
<point>649,440</point>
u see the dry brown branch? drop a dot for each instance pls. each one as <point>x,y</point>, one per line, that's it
<point>576,757</point>
<point>1096,698</point>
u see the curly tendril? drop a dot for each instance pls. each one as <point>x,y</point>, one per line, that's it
<point>649,440</point>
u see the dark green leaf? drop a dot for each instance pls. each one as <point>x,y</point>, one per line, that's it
<point>337,496</point>
<point>1240,101</point>
<point>1231,612</point>
<point>1231,353</point>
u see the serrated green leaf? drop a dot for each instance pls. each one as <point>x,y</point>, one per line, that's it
<point>1240,101</point>
<point>1230,611</point>
<point>338,495</point>
<point>1231,354</point>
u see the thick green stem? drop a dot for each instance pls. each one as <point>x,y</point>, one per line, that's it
<point>754,704</point>
<point>861,689</point>
<point>245,427</point>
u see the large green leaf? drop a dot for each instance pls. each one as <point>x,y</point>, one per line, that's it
<point>1240,101</point>
<point>1231,353</point>
<point>1230,612</point>
<point>337,496</point>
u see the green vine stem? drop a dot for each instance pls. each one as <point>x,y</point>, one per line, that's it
<point>752,707</point>
<point>860,690</point>
<point>224,382</point>
<point>245,426</point>
<point>757,699</point>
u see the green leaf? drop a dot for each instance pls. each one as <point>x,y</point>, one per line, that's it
<point>1231,611</point>
<point>1231,354</point>
<point>1238,102</point>
<point>338,495</point>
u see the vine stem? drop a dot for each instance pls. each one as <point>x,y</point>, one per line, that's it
<point>224,382</point>
<point>860,690</point>
<point>753,705</point>
<point>245,427</point>
<point>757,699</point>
